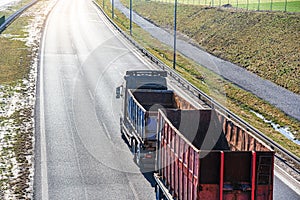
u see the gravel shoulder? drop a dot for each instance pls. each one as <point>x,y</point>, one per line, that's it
<point>280,97</point>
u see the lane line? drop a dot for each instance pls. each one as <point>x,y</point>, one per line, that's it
<point>44,171</point>
<point>135,194</point>
<point>91,95</point>
<point>44,167</point>
<point>106,131</point>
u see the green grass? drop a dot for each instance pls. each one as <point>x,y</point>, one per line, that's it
<point>13,8</point>
<point>275,5</point>
<point>237,100</point>
<point>15,61</point>
<point>293,6</point>
<point>265,43</point>
<point>15,56</point>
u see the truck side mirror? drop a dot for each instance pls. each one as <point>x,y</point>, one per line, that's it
<point>119,92</point>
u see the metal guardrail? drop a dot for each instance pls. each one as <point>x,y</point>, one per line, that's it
<point>210,101</point>
<point>14,16</point>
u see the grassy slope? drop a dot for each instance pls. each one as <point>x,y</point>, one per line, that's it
<point>15,56</point>
<point>267,44</point>
<point>13,8</point>
<point>15,61</point>
<point>237,100</point>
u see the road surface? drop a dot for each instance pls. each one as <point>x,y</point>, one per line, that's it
<point>79,151</point>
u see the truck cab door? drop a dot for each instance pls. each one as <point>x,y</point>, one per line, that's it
<point>119,91</point>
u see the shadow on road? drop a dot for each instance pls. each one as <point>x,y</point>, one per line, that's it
<point>150,178</point>
<point>146,173</point>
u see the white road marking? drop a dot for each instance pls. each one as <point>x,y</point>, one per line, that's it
<point>133,189</point>
<point>106,131</point>
<point>44,172</point>
<point>91,95</point>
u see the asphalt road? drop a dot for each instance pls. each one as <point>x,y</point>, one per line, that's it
<point>79,151</point>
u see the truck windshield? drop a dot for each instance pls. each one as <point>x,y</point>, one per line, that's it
<point>153,86</point>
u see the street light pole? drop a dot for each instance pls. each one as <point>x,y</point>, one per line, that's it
<point>175,28</point>
<point>113,9</point>
<point>130,16</point>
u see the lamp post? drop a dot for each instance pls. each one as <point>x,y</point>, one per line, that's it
<point>130,16</point>
<point>113,8</point>
<point>175,28</point>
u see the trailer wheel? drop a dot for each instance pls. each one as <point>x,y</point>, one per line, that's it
<point>121,126</point>
<point>138,155</point>
<point>133,147</point>
<point>158,193</point>
<point>122,132</point>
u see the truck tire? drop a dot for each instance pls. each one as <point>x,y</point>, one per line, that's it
<point>133,148</point>
<point>121,129</point>
<point>138,155</point>
<point>136,150</point>
<point>158,193</point>
<point>122,132</point>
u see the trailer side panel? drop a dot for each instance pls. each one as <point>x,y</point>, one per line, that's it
<point>193,173</point>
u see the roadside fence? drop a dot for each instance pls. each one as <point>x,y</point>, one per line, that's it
<point>256,5</point>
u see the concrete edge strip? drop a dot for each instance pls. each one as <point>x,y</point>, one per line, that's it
<point>44,172</point>
<point>287,179</point>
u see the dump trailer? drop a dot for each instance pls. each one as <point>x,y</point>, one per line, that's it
<point>143,93</point>
<point>203,155</point>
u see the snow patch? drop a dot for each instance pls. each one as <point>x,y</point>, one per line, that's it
<point>17,116</point>
<point>4,4</point>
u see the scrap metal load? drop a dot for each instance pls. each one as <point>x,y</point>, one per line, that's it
<point>196,153</point>
<point>206,156</point>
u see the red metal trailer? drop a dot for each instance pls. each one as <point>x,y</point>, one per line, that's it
<point>203,155</point>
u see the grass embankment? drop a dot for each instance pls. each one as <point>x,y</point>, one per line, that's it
<point>15,55</point>
<point>267,44</point>
<point>11,9</point>
<point>16,128</point>
<point>14,58</point>
<point>237,100</point>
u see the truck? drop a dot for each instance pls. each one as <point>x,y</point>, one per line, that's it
<point>194,152</point>
<point>144,92</point>
<point>221,160</point>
